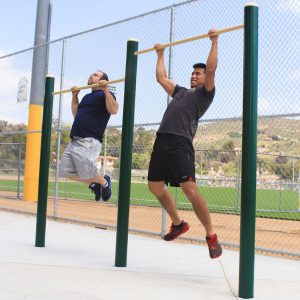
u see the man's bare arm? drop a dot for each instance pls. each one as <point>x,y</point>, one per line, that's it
<point>212,61</point>
<point>161,74</point>
<point>75,101</point>
<point>112,105</point>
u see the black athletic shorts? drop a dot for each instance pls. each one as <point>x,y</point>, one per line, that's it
<point>172,160</point>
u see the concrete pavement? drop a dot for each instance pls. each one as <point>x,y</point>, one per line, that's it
<point>77,262</point>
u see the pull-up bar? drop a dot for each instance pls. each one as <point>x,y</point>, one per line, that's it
<point>90,86</point>
<point>197,37</point>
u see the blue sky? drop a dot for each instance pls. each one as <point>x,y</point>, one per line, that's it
<point>279,55</point>
<point>17,18</point>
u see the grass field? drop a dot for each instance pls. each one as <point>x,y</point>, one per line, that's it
<point>269,203</point>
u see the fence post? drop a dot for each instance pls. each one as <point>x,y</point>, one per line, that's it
<point>248,190</point>
<point>126,154</point>
<point>44,164</point>
<point>238,179</point>
<point>58,143</point>
<point>298,185</point>
<point>19,170</point>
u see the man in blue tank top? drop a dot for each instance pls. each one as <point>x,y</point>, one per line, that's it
<point>91,115</point>
<point>173,157</point>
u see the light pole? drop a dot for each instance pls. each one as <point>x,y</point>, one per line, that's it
<point>293,155</point>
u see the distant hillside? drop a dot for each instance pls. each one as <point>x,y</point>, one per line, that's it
<point>274,135</point>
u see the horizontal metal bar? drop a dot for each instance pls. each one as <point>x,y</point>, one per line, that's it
<point>90,86</point>
<point>194,38</point>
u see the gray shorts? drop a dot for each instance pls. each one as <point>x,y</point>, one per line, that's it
<point>81,158</point>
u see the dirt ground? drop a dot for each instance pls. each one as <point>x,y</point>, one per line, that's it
<point>272,234</point>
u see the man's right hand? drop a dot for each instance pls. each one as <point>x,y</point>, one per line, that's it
<point>213,35</point>
<point>75,91</point>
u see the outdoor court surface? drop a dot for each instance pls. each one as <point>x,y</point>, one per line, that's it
<point>78,263</point>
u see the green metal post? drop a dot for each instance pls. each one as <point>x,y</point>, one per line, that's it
<point>249,150</point>
<point>126,154</point>
<point>44,164</point>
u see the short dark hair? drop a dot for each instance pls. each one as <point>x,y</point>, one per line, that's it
<point>104,76</point>
<point>200,66</point>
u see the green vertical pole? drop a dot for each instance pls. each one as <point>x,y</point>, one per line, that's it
<point>126,154</point>
<point>44,164</point>
<point>249,150</point>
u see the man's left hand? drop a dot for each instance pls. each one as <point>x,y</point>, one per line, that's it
<point>102,85</point>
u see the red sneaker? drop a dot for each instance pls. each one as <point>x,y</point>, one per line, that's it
<point>214,247</point>
<point>176,231</point>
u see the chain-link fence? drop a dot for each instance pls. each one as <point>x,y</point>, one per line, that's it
<point>219,136</point>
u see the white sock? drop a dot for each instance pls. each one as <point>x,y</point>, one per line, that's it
<point>105,185</point>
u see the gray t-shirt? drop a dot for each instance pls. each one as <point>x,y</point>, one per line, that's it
<point>184,111</point>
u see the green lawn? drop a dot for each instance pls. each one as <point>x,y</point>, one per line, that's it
<point>270,203</point>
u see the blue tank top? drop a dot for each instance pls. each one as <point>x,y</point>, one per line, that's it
<point>92,116</point>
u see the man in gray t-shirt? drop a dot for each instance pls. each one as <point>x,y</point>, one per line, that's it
<point>186,108</point>
<point>173,157</point>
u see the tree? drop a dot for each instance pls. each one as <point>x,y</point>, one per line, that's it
<point>113,141</point>
<point>227,153</point>
<point>143,139</point>
<point>281,159</point>
<point>228,146</point>
<point>284,171</point>
<point>12,146</point>
<point>140,161</point>
<point>211,154</point>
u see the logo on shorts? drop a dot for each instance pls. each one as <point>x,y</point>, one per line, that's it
<point>187,178</point>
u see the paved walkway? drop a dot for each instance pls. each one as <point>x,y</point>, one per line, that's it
<point>78,263</point>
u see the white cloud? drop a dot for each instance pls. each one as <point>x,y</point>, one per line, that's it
<point>11,111</point>
<point>14,112</point>
<point>10,75</point>
<point>290,5</point>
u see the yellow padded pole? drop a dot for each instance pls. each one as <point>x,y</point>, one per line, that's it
<point>33,150</point>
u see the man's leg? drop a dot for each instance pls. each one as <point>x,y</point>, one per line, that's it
<point>167,202</point>
<point>105,185</point>
<point>85,153</point>
<point>98,179</point>
<point>201,210</point>
<point>199,205</point>
<point>178,226</point>
<point>76,178</point>
<point>101,186</point>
